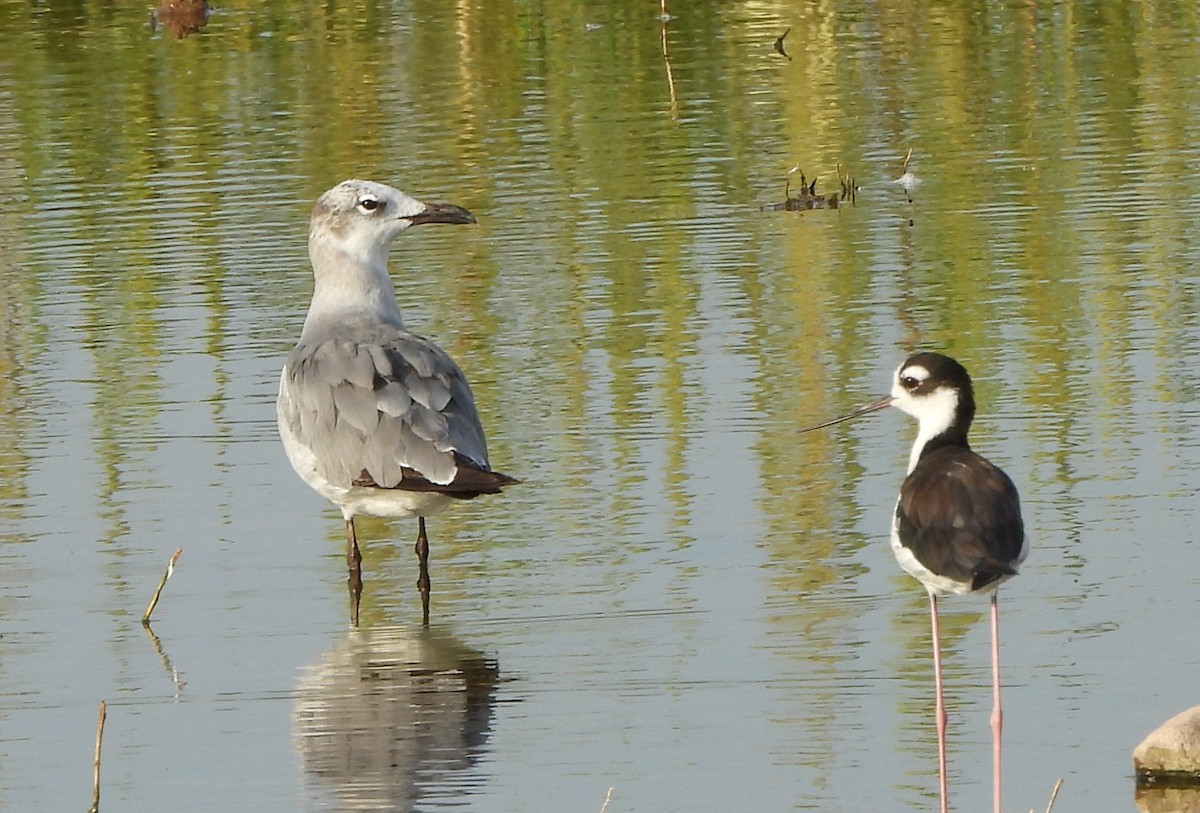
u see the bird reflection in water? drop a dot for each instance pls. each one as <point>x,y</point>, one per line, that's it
<point>392,715</point>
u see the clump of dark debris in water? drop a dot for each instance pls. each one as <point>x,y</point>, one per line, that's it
<point>808,198</point>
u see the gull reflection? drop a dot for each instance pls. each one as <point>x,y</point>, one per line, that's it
<point>392,715</point>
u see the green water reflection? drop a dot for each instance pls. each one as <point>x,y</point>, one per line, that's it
<point>644,341</point>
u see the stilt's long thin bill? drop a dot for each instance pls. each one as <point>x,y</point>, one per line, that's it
<point>874,406</point>
<point>940,710</point>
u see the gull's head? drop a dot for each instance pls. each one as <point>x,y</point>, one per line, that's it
<point>361,218</point>
<point>936,390</point>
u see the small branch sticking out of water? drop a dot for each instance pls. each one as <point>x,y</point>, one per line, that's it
<point>161,584</point>
<point>1053,795</point>
<point>779,49</point>
<point>608,798</point>
<point>95,808</point>
<point>665,18</point>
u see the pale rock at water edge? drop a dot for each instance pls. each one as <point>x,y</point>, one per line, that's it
<point>1171,751</point>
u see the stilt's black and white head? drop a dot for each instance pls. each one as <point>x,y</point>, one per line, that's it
<point>936,390</point>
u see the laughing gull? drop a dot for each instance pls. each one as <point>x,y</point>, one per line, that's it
<point>374,418</point>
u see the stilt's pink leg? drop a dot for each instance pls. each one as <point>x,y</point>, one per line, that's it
<point>941,706</point>
<point>997,713</point>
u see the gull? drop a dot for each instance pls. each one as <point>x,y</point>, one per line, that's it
<point>377,420</point>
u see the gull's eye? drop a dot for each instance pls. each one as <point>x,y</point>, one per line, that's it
<point>367,203</point>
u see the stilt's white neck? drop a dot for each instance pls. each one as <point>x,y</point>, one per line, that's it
<point>935,412</point>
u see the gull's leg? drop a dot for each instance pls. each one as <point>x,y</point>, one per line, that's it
<point>422,549</point>
<point>354,566</point>
<point>997,713</point>
<point>941,706</point>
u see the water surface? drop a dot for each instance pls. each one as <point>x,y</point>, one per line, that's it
<point>685,600</point>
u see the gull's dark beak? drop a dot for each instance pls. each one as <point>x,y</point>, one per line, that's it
<point>874,406</point>
<point>442,213</point>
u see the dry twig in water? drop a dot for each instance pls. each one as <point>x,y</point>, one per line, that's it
<point>95,808</point>
<point>1053,796</point>
<point>779,49</point>
<point>665,18</point>
<point>161,584</point>
<point>607,799</point>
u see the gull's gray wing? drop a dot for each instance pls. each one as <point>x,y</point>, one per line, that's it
<point>378,411</point>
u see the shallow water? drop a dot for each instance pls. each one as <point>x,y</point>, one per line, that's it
<point>685,600</point>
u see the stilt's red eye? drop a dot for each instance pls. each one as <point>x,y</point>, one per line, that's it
<point>909,382</point>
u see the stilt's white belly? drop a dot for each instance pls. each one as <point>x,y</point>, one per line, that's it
<point>941,585</point>
<point>938,585</point>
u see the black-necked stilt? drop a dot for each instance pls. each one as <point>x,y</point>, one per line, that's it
<point>376,419</point>
<point>957,526</point>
